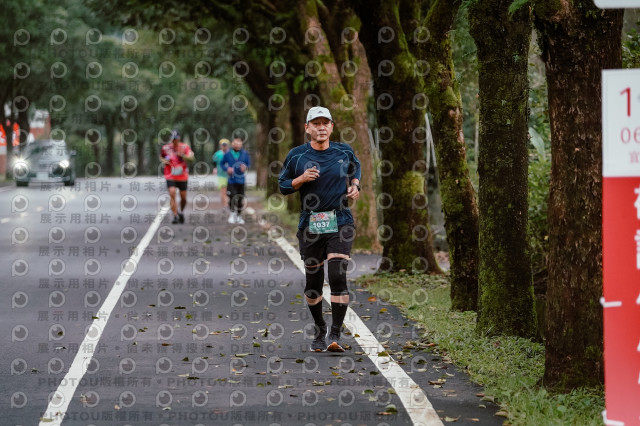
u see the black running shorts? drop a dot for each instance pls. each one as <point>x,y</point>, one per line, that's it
<point>315,247</point>
<point>180,184</point>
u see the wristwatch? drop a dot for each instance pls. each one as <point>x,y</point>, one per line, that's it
<point>356,185</point>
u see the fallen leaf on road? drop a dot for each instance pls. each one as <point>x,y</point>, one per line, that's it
<point>391,408</point>
<point>502,413</point>
<point>451,419</point>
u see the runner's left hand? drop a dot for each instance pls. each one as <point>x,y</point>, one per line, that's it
<point>353,192</point>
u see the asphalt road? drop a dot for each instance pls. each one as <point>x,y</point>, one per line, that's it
<point>114,316</point>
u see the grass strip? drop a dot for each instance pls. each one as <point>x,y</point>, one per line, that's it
<point>509,368</point>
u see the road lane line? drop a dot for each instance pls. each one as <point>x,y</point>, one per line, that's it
<point>57,408</point>
<point>413,398</point>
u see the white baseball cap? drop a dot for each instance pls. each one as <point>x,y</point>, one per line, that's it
<point>318,111</point>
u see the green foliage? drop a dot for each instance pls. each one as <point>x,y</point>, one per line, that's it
<point>90,94</point>
<point>539,162</point>
<point>466,68</point>
<point>538,99</point>
<point>539,177</point>
<point>631,49</point>
<point>538,144</point>
<point>510,368</point>
<point>517,4</point>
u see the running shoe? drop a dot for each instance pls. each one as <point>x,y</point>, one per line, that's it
<point>319,343</point>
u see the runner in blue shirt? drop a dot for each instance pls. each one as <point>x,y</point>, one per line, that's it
<point>327,174</point>
<point>221,172</point>
<point>237,162</point>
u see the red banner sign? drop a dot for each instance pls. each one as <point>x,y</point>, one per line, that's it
<point>621,245</point>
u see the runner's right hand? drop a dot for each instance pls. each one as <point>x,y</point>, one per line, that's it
<point>311,174</point>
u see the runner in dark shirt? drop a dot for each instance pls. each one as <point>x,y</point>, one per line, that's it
<point>327,174</point>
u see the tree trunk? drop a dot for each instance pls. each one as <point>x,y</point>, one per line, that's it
<point>407,239</point>
<point>260,157</point>
<point>109,139</point>
<point>140,151</point>
<point>25,127</point>
<point>366,212</point>
<point>506,303</point>
<point>458,195</point>
<point>125,154</point>
<point>261,84</point>
<point>273,152</point>
<point>297,117</point>
<point>579,40</point>
<point>343,85</point>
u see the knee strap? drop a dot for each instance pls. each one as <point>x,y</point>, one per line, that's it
<point>338,276</point>
<point>314,281</point>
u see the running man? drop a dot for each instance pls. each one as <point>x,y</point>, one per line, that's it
<point>221,172</point>
<point>237,163</point>
<point>175,156</point>
<point>327,175</point>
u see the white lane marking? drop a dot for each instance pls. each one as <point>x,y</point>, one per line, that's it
<point>57,408</point>
<point>411,395</point>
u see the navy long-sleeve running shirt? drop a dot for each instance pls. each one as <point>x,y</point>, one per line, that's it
<point>337,165</point>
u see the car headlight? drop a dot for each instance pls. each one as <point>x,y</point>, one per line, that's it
<point>20,165</point>
<point>64,163</point>
<point>20,168</point>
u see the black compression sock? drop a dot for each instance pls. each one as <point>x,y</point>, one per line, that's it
<point>338,312</point>
<point>316,313</point>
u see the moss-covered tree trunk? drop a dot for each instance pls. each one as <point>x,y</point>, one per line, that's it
<point>579,40</point>
<point>25,127</point>
<point>458,196</point>
<point>261,84</point>
<point>110,131</point>
<point>506,301</point>
<point>343,87</point>
<point>260,156</point>
<point>297,118</point>
<point>398,77</point>
<point>273,152</point>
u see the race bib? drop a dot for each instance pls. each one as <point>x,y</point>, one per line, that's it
<point>176,170</point>
<point>323,223</point>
